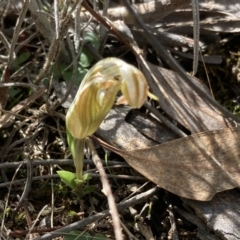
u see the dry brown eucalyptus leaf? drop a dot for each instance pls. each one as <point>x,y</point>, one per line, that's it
<point>195,167</point>
<point>183,104</point>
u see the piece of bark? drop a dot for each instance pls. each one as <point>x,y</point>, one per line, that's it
<point>211,21</point>
<point>224,6</point>
<point>203,232</point>
<point>221,15</point>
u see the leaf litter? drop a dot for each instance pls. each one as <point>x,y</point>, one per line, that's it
<point>207,118</point>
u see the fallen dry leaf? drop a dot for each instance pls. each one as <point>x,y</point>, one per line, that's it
<point>196,167</point>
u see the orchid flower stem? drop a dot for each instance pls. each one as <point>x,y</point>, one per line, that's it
<point>77,149</point>
<point>79,157</point>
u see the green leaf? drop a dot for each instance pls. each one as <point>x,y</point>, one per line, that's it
<point>93,39</point>
<point>88,190</point>
<point>80,75</point>
<point>99,237</point>
<point>14,91</point>
<point>21,59</point>
<point>77,235</point>
<point>67,75</point>
<point>86,57</point>
<point>86,177</point>
<point>68,178</point>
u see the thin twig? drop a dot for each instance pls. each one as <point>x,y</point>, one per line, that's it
<point>130,235</point>
<point>25,43</point>
<point>196,34</point>
<point>56,18</point>
<point>27,186</point>
<point>77,26</point>
<point>4,40</point>
<point>93,175</point>
<point>105,14</point>
<point>18,84</point>
<point>108,192</point>
<point>16,31</point>
<point>7,200</point>
<point>173,230</point>
<point>36,220</point>
<point>47,162</point>
<point>52,198</point>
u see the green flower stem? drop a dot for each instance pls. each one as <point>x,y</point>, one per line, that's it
<point>78,162</point>
<point>77,149</point>
<point>79,157</point>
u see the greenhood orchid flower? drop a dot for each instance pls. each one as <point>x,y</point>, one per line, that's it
<point>98,91</point>
<point>94,99</point>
